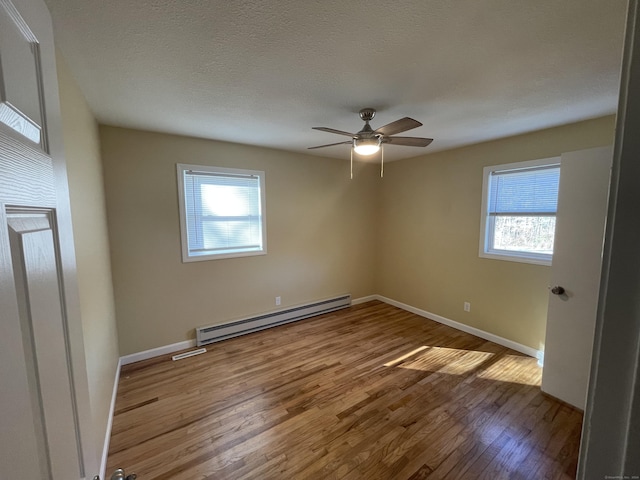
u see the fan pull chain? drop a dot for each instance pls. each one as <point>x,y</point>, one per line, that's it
<point>351,163</point>
<point>382,162</point>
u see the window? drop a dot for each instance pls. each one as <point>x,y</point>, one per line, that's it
<point>221,212</point>
<point>519,204</point>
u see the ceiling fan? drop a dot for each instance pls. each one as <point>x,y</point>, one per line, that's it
<point>368,141</point>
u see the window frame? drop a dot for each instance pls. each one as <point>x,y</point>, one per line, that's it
<point>486,232</point>
<point>187,256</point>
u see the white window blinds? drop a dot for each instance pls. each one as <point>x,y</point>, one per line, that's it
<point>223,211</point>
<point>524,192</point>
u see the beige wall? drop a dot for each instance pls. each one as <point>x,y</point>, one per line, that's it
<point>82,151</point>
<point>412,236</point>
<point>320,236</point>
<point>429,229</point>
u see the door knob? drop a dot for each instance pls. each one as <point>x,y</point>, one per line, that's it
<point>120,475</point>
<point>557,290</point>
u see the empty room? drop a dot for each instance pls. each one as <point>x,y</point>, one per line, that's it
<point>312,240</point>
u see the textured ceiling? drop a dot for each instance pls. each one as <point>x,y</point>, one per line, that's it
<point>265,72</point>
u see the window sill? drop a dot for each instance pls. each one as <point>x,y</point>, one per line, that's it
<point>517,257</point>
<point>221,256</point>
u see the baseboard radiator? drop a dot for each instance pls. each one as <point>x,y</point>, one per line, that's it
<point>216,333</point>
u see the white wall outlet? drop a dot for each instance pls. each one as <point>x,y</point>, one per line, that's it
<point>467,307</point>
<point>278,301</point>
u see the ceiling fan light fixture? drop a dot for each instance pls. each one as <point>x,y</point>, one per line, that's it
<point>366,146</point>
<point>369,141</point>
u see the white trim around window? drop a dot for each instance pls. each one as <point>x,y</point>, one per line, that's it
<point>222,212</point>
<point>487,223</point>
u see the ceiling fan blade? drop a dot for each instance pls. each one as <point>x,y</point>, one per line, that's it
<point>408,141</point>
<point>333,130</point>
<point>330,145</point>
<point>398,126</point>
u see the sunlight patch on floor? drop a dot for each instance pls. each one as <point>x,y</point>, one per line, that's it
<point>513,369</point>
<point>451,361</point>
<point>466,362</point>
<point>393,363</point>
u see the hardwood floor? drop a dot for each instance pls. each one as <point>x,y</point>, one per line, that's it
<point>367,392</point>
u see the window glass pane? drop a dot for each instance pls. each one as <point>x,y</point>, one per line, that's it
<point>231,234</point>
<point>524,191</point>
<point>228,200</point>
<point>524,233</point>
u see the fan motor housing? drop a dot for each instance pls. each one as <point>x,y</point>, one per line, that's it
<point>367,114</point>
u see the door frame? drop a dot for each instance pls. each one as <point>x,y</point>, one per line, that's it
<point>611,434</point>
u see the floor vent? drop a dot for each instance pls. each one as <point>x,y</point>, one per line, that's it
<point>216,333</point>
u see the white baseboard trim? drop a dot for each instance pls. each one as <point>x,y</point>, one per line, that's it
<point>518,347</point>
<point>156,352</point>
<point>368,298</point>
<point>107,435</point>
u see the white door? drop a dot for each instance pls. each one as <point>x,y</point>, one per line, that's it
<point>577,261</point>
<point>44,405</point>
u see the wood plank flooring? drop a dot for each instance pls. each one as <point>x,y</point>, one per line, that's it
<point>371,392</point>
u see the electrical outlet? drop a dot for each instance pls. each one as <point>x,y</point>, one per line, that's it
<point>467,307</point>
<point>278,301</point>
